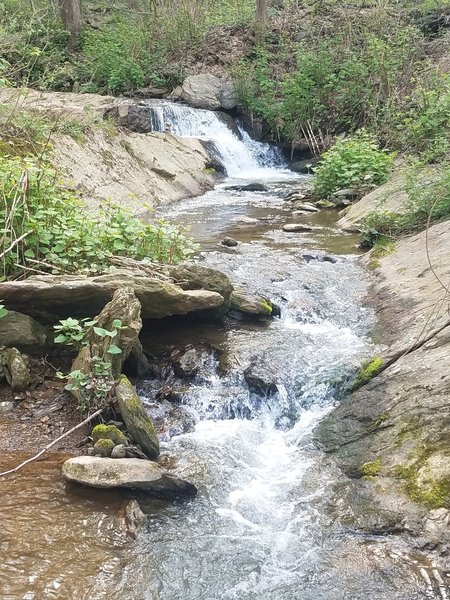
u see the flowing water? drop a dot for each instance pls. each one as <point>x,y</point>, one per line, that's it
<point>260,527</point>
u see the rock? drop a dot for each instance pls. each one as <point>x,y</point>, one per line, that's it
<point>22,332</point>
<point>6,406</point>
<point>124,307</point>
<point>103,447</point>
<point>131,473</point>
<point>252,306</point>
<point>15,367</point>
<point>188,361</point>
<point>119,451</point>
<point>137,364</point>
<point>171,420</point>
<point>400,417</point>
<point>305,167</point>
<point>347,193</point>
<point>151,91</point>
<point>228,96</point>
<point>108,432</point>
<point>296,227</point>
<point>260,379</point>
<point>306,206</point>
<point>248,187</point>
<point>202,91</point>
<point>54,297</point>
<point>131,518</point>
<point>229,242</point>
<point>132,116</point>
<point>136,418</point>
<point>325,204</point>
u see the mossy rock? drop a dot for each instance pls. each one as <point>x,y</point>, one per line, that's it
<point>108,432</point>
<point>138,423</point>
<point>104,447</point>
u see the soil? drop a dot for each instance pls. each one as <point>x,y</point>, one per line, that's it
<point>41,414</point>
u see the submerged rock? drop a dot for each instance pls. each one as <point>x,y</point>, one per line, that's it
<point>260,379</point>
<point>250,305</point>
<point>188,361</point>
<point>144,475</point>
<point>229,242</point>
<point>296,228</point>
<point>248,187</point>
<point>136,418</point>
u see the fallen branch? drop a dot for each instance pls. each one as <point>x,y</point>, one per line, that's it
<point>44,450</point>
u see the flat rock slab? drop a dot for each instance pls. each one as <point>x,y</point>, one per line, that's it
<point>144,475</point>
<point>50,296</point>
<point>296,228</point>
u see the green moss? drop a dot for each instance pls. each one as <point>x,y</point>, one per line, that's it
<point>378,422</point>
<point>108,432</point>
<point>104,447</point>
<point>368,371</point>
<point>371,469</point>
<point>267,307</point>
<point>409,431</point>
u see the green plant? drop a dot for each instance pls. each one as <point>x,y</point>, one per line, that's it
<point>46,227</point>
<point>93,385</point>
<point>355,162</point>
<point>3,311</point>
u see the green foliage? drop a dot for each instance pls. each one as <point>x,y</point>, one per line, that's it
<point>91,388</point>
<point>428,200</point>
<point>355,162</point>
<point>425,126</point>
<point>47,227</point>
<point>3,311</point>
<point>368,371</point>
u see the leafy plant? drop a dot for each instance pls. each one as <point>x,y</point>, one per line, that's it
<point>3,311</point>
<point>355,162</point>
<point>47,228</point>
<point>93,386</point>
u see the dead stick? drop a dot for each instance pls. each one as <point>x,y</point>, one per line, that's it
<point>44,450</point>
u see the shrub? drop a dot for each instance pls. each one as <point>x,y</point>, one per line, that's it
<point>355,162</point>
<point>47,228</point>
<point>428,198</point>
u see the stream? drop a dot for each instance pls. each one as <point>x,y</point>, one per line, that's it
<point>260,527</point>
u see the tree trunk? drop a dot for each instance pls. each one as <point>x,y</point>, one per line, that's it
<point>261,11</point>
<point>71,17</point>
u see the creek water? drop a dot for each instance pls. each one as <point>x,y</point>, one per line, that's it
<point>260,527</point>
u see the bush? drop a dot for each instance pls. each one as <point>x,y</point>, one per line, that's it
<point>355,162</point>
<point>428,199</point>
<point>46,227</point>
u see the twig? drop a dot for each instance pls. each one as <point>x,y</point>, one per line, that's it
<point>19,239</point>
<point>44,450</point>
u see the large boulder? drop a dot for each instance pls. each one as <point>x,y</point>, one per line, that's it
<point>261,378</point>
<point>53,297</point>
<point>22,332</point>
<point>132,116</point>
<point>136,418</point>
<point>133,473</point>
<point>202,91</point>
<point>228,96</point>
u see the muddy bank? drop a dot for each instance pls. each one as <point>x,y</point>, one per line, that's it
<point>391,435</point>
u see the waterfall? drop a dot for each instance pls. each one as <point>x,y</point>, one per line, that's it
<point>240,155</point>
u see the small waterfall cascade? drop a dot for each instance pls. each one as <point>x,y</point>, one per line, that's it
<point>240,155</point>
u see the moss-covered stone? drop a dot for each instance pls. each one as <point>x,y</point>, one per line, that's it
<point>108,432</point>
<point>368,371</point>
<point>104,447</point>
<point>138,423</point>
